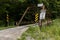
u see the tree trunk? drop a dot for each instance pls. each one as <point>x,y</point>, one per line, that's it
<point>23,16</point>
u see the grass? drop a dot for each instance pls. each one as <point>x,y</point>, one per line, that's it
<point>51,32</point>
<point>2,28</point>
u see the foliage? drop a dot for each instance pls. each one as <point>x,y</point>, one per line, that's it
<point>52,7</point>
<point>16,8</point>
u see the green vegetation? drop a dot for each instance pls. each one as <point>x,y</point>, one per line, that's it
<point>51,32</point>
<point>16,8</point>
<point>2,28</point>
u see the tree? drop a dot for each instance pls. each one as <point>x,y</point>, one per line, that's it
<point>52,7</point>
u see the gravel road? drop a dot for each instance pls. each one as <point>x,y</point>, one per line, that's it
<point>12,33</point>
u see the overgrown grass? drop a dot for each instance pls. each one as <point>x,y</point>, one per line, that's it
<point>51,32</point>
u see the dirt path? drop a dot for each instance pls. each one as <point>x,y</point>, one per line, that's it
<point>12,33</point>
